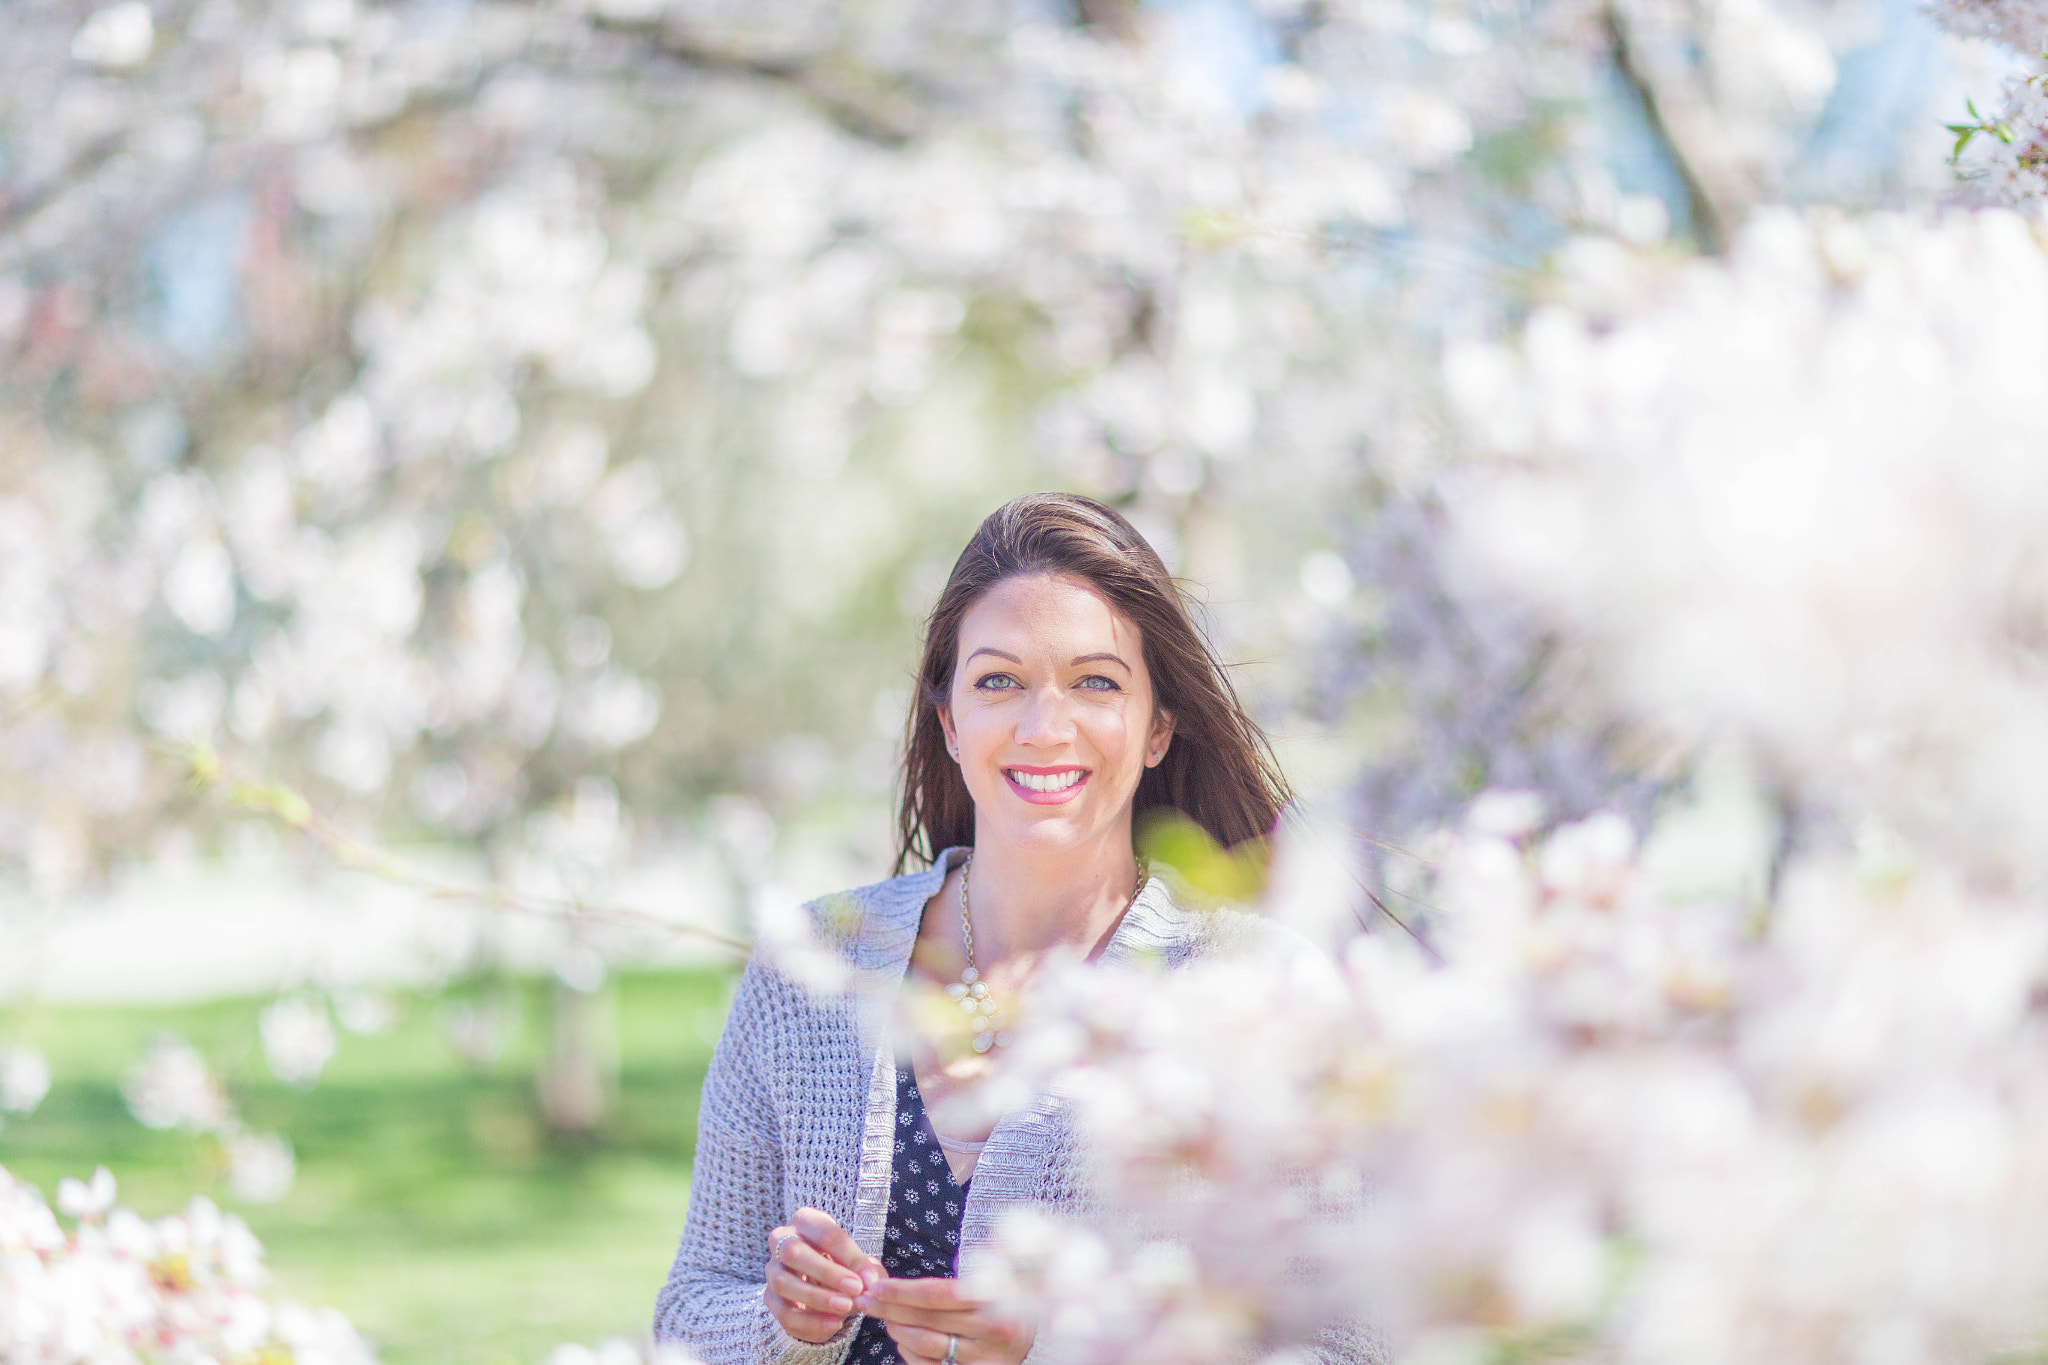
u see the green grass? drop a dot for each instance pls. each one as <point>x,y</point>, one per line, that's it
<point>431,1205</point>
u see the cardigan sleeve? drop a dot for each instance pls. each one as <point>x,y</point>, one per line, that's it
<point>712,1301</point>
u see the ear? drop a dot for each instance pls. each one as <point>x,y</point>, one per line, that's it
<point>1157,743</point>
<point>946,724</point>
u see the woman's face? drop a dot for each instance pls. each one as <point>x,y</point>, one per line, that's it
<point>1051,713</point>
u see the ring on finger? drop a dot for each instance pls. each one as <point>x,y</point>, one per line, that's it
<point>952,1350</point>
<point>780,1242</point>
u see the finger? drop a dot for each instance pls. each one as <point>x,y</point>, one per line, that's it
<point>819,1229</point>
<point>815,1298</point>
<point>955,1320</point>
<point>918,1343</point>
<point>942,1295</point>
<point>788,1247</point>
<point>799,1322</point>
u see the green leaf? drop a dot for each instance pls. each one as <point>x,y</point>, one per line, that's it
<point>1197,867</point>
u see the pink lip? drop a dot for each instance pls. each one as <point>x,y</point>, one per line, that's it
<point>1058,798</point>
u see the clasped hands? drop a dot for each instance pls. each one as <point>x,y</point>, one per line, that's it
<point>818,1277</point>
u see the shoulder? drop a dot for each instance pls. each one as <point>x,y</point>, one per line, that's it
<point>864,928</point>
<point>879,917</point>
<point>814,963</point>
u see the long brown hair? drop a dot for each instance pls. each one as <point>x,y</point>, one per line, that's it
<point>1218,771</point>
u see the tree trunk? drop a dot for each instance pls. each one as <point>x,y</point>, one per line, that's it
<point>580,1072</point>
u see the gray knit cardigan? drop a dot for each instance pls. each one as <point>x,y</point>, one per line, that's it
<point>799,1109</point>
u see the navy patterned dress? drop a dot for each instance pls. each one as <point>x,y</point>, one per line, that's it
<point>923,1237</point>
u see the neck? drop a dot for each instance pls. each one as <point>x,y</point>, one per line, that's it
<point>1025,901</point>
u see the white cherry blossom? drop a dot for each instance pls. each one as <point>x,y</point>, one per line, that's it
<point>120,1288</point>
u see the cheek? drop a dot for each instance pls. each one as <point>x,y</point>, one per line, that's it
<point>1116,735</point>
<point>975,728</point>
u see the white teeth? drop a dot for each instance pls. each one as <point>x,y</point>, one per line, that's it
<point>1047,782</point>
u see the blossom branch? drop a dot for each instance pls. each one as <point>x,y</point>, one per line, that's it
<point>289,807</point>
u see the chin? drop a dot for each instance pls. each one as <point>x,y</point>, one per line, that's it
<point>1051,833</point>
<point>1051,830</point>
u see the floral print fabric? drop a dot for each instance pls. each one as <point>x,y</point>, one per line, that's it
<point>923,1236</point>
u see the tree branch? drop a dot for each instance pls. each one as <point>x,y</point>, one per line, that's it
<point>18,204</point>
<point>868,109</point>
<point>1116,19</point>
<point>1714,202</point>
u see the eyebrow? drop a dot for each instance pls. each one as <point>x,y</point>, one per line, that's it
<point>1077,661</point>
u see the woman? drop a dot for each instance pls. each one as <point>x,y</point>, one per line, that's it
<point>1065,692</point>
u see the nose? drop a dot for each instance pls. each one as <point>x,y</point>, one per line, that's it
<point>1046,723</point>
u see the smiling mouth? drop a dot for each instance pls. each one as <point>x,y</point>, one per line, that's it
<point>1049,783</point>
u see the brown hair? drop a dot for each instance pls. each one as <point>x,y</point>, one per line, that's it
<point>1218,772</point>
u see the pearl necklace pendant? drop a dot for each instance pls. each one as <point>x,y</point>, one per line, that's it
<point>970,992</point>
<point>972,995</point>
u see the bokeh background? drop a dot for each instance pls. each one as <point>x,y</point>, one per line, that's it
<point>472,473</point>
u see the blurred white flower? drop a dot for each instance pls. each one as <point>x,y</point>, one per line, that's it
<point>354,754</point>
<point>745,832</point>
<point>339,454</point>
<point>588,642</point>
<point>650,550</point>
<point>112,773</point>
<point>580,968</point>
<point>440,792</point>
<point>589,832</point>
<point>1505,814</point>
<point>613,709</point>
<point>118,36</point>
<point>647,545</point>
<point>300,89</point>
<point>298,1039</point>
<point>260,1167</point>
<point>200,587</point>
<point>1326,579</point>
<point>568,464</point>
<point>172,1087</point>
<point>87,1200</point>
<point>1427,129</point>
<point>1590,860</point>
<point>183,709</point>
<point>24,1079</point>
<point>365,1012</point>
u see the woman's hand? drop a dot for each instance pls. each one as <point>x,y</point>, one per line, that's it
<point>815,1271</point>
<point>924,1317</point>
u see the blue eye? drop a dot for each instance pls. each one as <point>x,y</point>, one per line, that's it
<point>996,682</point>
<point>1095,682</point>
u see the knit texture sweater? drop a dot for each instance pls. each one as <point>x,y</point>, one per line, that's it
<point>799,1109</point>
